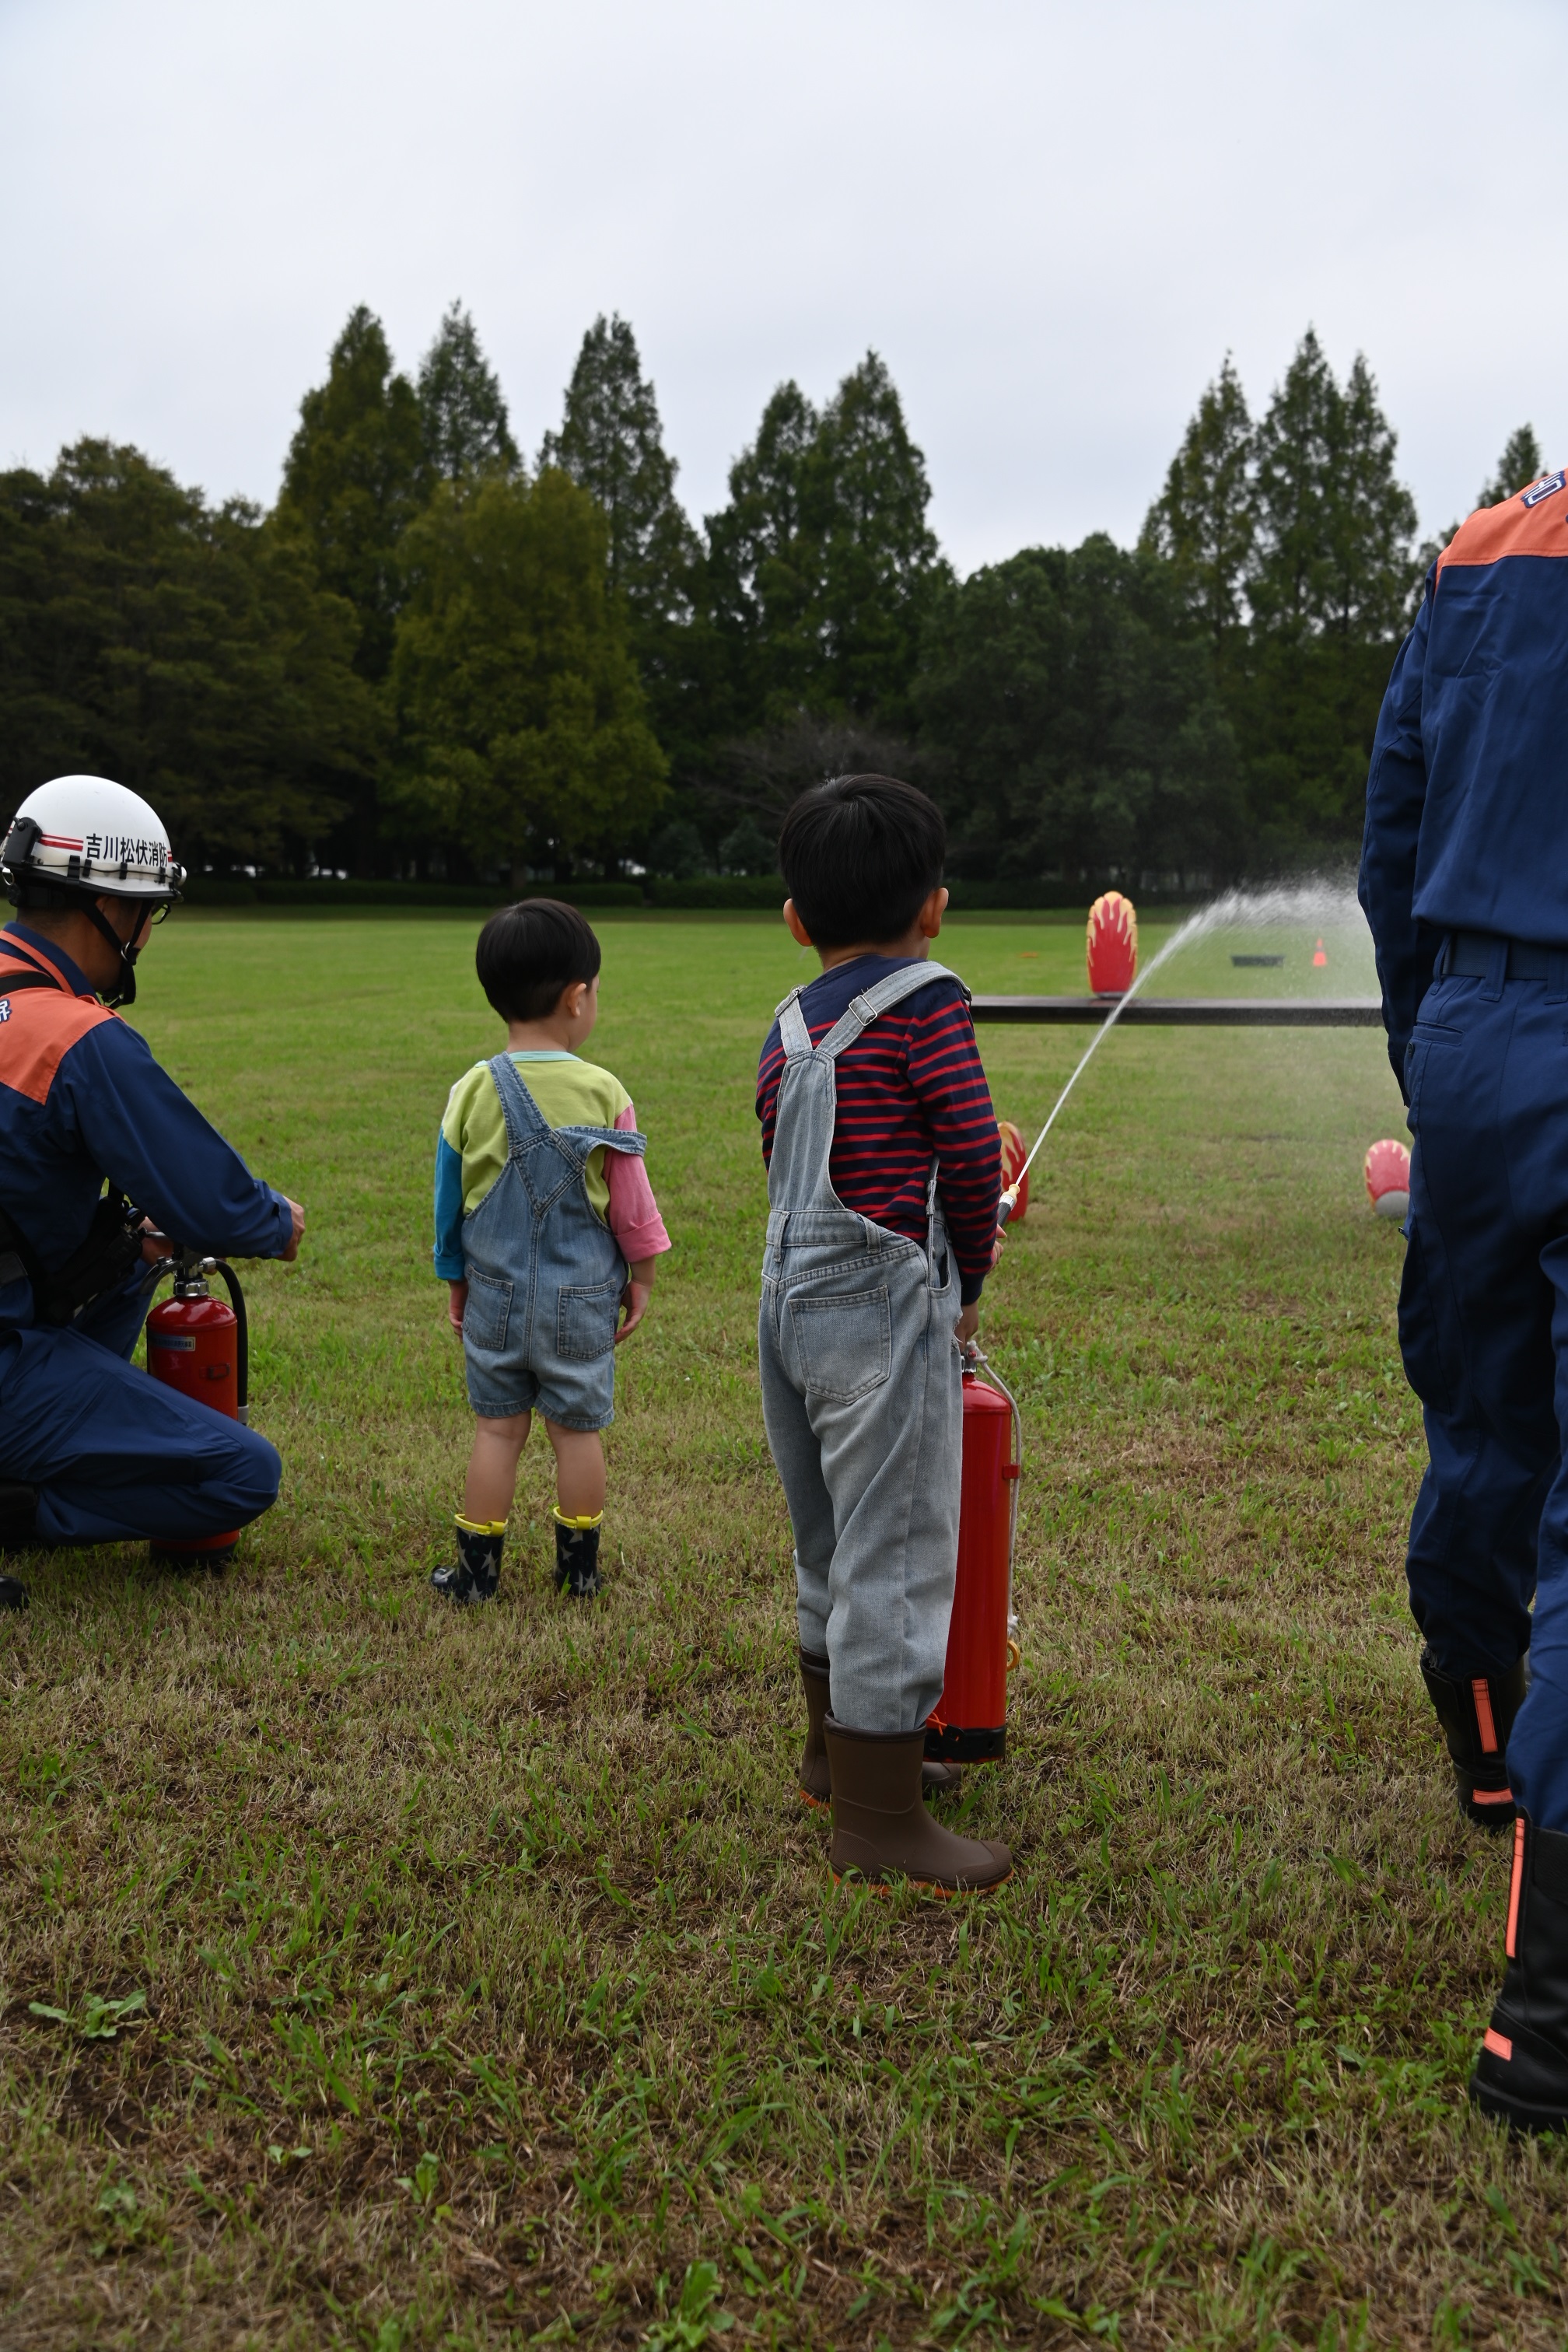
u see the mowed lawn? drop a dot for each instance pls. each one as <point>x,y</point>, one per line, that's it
<point>481,1978</point>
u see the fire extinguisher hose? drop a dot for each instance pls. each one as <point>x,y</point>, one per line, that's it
<point>973,1359</point>
<point>242,1342</point>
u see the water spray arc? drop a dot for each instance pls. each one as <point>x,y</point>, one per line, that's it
<point>1312,907</point>
<point>1178,939</point>
<point>969,1720</point>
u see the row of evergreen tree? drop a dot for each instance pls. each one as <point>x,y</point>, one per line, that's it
<point>431,658</point>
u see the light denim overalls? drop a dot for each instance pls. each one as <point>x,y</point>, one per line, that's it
<point>545,1273</point>
<point>862,1397</point>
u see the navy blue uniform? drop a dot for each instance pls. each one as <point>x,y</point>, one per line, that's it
<point>114,1453</point>
<point>1466,834</point>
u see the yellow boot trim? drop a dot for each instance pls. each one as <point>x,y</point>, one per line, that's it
<point>583,1519</point>
<point>479,1527</point>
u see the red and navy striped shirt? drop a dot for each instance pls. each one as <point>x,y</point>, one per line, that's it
<point>911,1087</point>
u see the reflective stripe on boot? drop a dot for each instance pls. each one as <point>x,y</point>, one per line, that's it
<point>1521,2073</point>
<point>881,1825</point>
<point>1476,1714</point>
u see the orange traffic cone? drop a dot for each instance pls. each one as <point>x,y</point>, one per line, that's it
<point>1319,957</point>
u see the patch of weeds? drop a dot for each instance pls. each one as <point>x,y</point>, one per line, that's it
<point>694,2319</point>
<point>117,2214</point>
<point>99,2018</point>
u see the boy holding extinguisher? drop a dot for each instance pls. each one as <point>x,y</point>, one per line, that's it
<point>884,1180</point>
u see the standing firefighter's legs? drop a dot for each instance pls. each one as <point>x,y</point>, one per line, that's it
<point>1484,1329</point>
<point>1538,1744</point>
<point>1522,2071</point>
<point>1488,1183</point>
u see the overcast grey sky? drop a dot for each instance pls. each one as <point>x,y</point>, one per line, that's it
<point>1052,221</point>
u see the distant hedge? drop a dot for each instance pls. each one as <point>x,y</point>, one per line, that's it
<point>221,890</point>
<point>217,890</point>
<point>588,894</point>
<point>714,892</point>
<point>718,890</point>
<point>1021,896</point>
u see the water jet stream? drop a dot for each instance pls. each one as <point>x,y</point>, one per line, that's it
<point>1319,903</point>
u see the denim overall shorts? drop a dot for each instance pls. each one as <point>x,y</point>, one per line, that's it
<point>862,1397</point>
<point>545,1273</point>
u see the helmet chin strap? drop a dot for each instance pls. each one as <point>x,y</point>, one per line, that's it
<point>126,949</point>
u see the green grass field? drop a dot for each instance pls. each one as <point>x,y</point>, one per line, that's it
<point>481,1980</point>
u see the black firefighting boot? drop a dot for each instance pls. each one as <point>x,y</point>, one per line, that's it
<point>19,1505</point>
<point>882,1831</point>
<point>1521,2074</point>
<point>815,1787</point>
<point>478,1570</point>
<point>577,1555</point>
<point>1476,1715</point>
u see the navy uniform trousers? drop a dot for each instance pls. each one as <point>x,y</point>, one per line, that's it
<point>1483,1328</point>
<point>114,1455</point>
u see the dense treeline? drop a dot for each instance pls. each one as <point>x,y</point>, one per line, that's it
<point>433,658</point>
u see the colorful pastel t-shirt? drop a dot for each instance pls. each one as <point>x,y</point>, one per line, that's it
<point>471,1151</point>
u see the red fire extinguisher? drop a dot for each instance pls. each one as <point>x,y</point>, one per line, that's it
<point>969,1724</point>
<point>199,1346</point>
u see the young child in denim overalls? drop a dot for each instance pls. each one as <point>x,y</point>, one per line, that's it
<point>884,1179</point>
<point>547,1232</point>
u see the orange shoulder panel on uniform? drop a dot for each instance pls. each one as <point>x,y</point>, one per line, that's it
<point>38,1026</point>
<point>1514,529</point>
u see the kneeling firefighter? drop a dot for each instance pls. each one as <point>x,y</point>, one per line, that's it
<point>91,1450</point>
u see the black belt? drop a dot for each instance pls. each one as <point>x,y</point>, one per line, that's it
<point>1468,955</point>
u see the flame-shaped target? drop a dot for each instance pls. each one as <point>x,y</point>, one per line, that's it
<point>1015,1151</point>
<point>1111,946</point>
<point>1387,1173</point>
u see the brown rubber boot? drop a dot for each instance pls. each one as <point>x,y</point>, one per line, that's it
<point>882,1829</point>
<point>815,1787</point>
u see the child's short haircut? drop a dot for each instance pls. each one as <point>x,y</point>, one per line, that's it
<point>528,954</point>
<point>860,855</point>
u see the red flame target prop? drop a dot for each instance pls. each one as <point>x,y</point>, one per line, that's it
<point>1111,946</point>
<point>1015,1151</point>
<point>1387,1173</point>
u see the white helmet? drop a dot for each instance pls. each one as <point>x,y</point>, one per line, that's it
<point>85,834</point>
